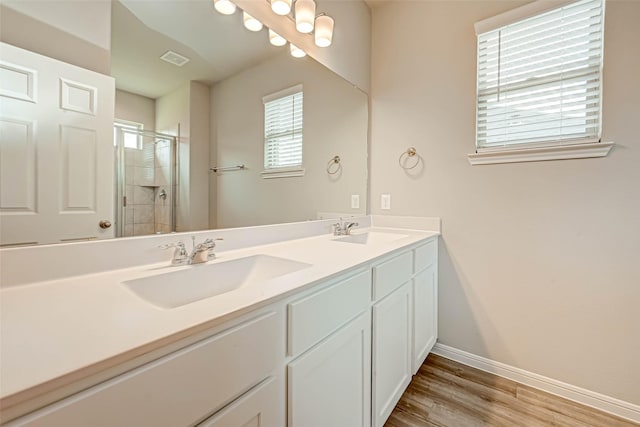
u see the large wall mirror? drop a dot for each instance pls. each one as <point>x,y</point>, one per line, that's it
<point>203,107</point>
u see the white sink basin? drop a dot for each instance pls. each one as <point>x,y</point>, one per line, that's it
<point>197,282</point>
<point>371,238</point>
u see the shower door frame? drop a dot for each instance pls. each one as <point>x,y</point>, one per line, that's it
<point>120,202</point>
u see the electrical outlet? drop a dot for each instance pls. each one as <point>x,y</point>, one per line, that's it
<point>385,201</point>
<point>355,201</point>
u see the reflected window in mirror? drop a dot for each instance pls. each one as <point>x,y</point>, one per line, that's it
<point>130,132</point>
<point>283,130</point>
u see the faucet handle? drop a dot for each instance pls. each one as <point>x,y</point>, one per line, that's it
<point>180,255</point>
<point>177,245</point>
<point>210,244</point>
<point>337,229</point>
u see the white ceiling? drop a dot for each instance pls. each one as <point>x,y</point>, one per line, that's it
<point>217,45</point>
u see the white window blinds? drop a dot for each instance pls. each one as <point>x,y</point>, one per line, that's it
<point>283,129</point>
<point>539,79</point>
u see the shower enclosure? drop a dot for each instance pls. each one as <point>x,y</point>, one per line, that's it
<point>145,184</point>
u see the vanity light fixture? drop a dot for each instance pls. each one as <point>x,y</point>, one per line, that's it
<point>276,39</point>
<point>251,23</point>
<point>305,15</point>
<point>296,52</point>
<point>225,7</point>
<point>324,30</point>
<point>281,7</point>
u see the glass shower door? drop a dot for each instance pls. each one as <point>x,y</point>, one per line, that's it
<point>145,181</point>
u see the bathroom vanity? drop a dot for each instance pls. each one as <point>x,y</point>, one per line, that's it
<point>320,331</point>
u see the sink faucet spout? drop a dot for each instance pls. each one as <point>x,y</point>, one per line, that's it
<point>343,228</point>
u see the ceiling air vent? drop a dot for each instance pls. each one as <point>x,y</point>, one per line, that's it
<point>174,58</point>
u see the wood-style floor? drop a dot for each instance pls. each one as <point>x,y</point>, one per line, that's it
<point>448,394</point>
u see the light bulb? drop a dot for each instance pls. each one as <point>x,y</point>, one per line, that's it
<point>281,7</point>
<point>276,39</point>
<point>324,31</point>
<point>251,23</point>
<point>225,7</point>
<point>305,15</point>
<point>296,52</point>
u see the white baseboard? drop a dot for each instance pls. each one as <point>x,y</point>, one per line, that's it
<point>599,401</point>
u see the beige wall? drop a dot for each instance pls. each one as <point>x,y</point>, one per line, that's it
<point>539,261</point>
<point>78,33</point>
<point>335,123</point>
<point>136,108</point>
<point>199,116</point>
<point>172,117</point>
<point>185,113</point>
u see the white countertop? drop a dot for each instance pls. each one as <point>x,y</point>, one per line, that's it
<point>72,327</point>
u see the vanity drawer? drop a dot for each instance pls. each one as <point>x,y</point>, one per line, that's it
<point>318,315</point>
<point>391,274</point>
<point>179,389</point>
<point>263,405</point>
<point>426,255</point>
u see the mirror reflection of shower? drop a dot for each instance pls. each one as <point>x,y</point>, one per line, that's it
<point>145,181</point>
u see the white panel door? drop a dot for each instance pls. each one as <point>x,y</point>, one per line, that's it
<point>425,312</point>
<point>330,385</point>
<point>56,150</point>
<point>392,335</point>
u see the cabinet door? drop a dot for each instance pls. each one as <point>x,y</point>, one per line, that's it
<point>391,351</point>
<point>262,406</point>
<point>330,385</point>
<point>425,311</point>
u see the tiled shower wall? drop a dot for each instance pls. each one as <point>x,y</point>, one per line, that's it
<point>139,180</point>
<point>162,176</point>
<point>147,174</point>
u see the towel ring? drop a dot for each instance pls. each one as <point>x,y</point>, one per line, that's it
<point>334,165</point>
<point>411,152</point>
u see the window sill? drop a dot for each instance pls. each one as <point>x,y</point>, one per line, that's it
<point>563,152</point>
<point>282,173</point>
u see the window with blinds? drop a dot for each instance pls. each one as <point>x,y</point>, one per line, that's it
<point>283,129</point>
<point>539,79</point>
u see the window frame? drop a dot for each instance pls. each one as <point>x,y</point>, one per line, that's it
<point>128,124</point>
<point>289,170</point>
<point>544,150</point>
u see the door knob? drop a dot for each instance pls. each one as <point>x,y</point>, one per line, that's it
<point>104,224</point>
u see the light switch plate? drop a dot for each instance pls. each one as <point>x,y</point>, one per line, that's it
<point>355,201</point>
<point>385,201</point>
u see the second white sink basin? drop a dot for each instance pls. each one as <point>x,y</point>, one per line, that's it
<point>197,282</point>
<point>371,238</point>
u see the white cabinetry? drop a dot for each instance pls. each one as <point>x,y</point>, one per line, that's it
<point>180,389</point>
<point>315,316</point>
<point>392,334</point>
<point>347,348</point>
<point>330,383</point>
<point>391,351</point>
<point>404,323</point>
<point>425,302</point>
<point>259,407</point>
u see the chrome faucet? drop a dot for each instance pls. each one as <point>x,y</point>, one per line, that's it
<point>343,228</point>
<point>180,256</point>
<point>201,252</point>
